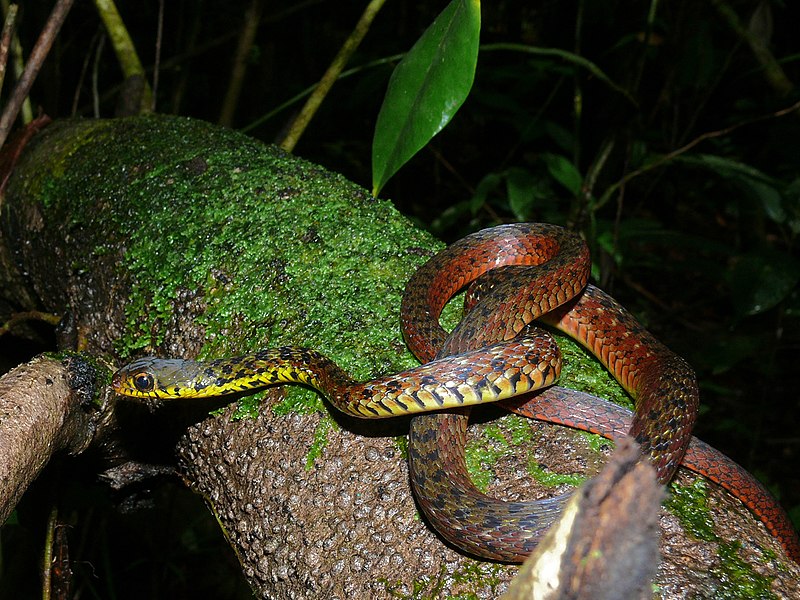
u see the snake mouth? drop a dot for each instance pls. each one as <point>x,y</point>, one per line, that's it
<point>116,381</point>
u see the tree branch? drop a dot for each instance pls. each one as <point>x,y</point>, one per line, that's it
<point>39,53</point>
<point>45,407</point>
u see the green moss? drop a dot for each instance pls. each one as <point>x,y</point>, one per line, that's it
<point>326,423</point>
<point>401,443</point>
<point>89,375</point>
<point>690,505</point>
<point>421,588</point>
<point>596,442</point>
<point>511,434</point>
<point>471,577</point>
<point>265,241</point>
<point>482,452</point>
<point>550,479</point>
<point>493,441</point>
<point>247,407</point>
<point>581,371</point>
<point>737,579</point>
<point>472,571</point>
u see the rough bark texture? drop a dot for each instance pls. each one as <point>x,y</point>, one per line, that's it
<point>171,236</point>
<point>605,545</point>
<point>43,410</point>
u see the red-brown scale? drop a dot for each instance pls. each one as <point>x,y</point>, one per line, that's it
<point>589,413</point>
<point>523,272</point>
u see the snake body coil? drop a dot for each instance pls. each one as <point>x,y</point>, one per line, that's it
<point>518,273</point>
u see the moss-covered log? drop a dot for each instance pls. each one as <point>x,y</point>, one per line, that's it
<point>174,237</point>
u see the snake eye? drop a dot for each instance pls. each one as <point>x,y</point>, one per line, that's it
<point>143,382</point>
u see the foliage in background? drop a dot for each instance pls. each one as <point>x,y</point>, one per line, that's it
<point>585,181</point>
<point>659,130</point>
<point>746,261</point>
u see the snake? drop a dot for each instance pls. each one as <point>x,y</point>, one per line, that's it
<point>514,274</point>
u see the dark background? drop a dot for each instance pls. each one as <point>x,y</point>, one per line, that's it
<point>701,248</point>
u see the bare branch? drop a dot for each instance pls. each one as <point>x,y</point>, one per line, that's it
<point>329,78</point>
<point>41,413</point>
<point>39,53</point>
<point>5,40</point>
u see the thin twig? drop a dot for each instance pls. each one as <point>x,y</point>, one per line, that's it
<point>329,78</point>
<point>686,147</point>
<point>124,49</point>
<point>38,54</point>
<point>5,40</point>
<point>47,559</point>
<point>18,66</point>
<point>251,18</point>
<point>29,315</point>
<point>85,69</point>
<point>95,75</point>
<point>157,62</point>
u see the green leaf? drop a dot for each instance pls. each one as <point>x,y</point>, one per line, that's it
<point>759,186</point>
<point>485,186</point>
<point>426,89</point>
<point>760,280</point>
<point>563,171</point>
<point>520,186</point>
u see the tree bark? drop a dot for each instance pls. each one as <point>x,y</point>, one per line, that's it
<point>605,545</point>
<point>47,406</point>
<point>170,236</point>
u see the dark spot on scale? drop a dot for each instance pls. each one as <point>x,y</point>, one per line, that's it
<point>420,403</point>
<point>491,522</point>
<point>456,394</point>
<point>427,380</point>
<point>440,504</point>
<point>391,386</point>
<point>371,410</point>
<point>397,401</point>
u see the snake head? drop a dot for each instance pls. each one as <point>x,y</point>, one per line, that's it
<point>164,379</point>
<point>136,379</point>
